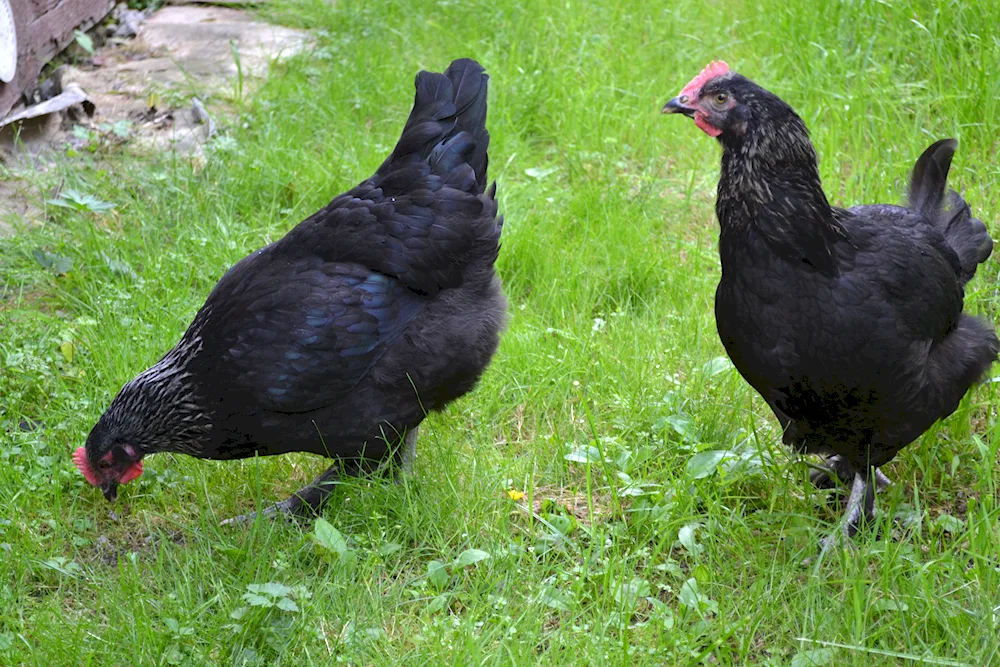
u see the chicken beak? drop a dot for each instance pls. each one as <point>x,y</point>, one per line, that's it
<point>679,105</point>
<point>110,490</point>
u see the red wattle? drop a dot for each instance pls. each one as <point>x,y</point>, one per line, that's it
<point>131,473</point>
<point>700,121</point>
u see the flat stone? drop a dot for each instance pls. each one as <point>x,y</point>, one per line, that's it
<point>198,39</point>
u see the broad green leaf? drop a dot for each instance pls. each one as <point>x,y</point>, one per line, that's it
<point>552,597</point>
<point>908,516</point>
<point>437,574</point>
<point>388,549</point>
<point>703,464</point>
<point>561,523</point>
<point>949,523</point>
<point>888,604</point>
<point>682,425</point>
<point>663,612</point>
<point>255,600</point>
<point>287,605</point>
<point>232,552</point>
<point>328,537</point>
<point>57,263</point>
<point>627,594</point>
<point>671,566</point>
<point>689,593</point>
<point>588,454</point>
<point>438,603</point>
<point>816,657</point>
<point>686,536</point>
<point>270,588</point>
<point>84,40</point>
<point>470,557</point>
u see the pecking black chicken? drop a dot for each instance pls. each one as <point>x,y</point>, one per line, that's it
<point>848,322</point>
<point>338,338</point>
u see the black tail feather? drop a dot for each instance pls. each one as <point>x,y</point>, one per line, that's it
<point>469,81</point>
<point>446,106</point>
<point>930,176</point>
<point>967,236</point>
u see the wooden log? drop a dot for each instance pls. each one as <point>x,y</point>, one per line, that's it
<point>44,28</point>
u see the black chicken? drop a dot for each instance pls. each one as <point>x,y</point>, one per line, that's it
<point>340,337</point>
<point>848,322</point>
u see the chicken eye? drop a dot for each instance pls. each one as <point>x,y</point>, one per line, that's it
<point>720,99</point>
<point>104,465</point>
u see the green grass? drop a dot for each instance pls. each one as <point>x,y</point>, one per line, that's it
<point>647,558</point>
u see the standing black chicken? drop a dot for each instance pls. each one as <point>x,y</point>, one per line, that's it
<point>340,337</point>
<point>848,322</point>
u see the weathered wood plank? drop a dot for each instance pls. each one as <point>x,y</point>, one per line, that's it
<point>44,28</point>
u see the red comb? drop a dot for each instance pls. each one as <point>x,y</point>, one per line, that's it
<point>80,459</point>
<point>712,70</point>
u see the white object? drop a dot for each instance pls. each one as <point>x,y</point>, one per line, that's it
<point>8,43</point>
<point>71,94</point>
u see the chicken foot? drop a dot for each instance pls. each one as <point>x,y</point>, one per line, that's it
<point>822,476</point>
<point>309,499</point>
<point>306,500</point>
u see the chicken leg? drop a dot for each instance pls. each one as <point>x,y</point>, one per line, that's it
<point>860,506</point>
<point>309,499</point>
<point>409,454</point>
<point>822,476</point>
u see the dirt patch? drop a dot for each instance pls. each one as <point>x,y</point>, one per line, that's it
<point>161,90</point>
<point>123,536</point>
<point>557,499</point>
<point>16,207</point>
<point>109,551</point>
<point>214,55</point>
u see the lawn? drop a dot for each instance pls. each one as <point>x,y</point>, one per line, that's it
<point>661,521</point>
